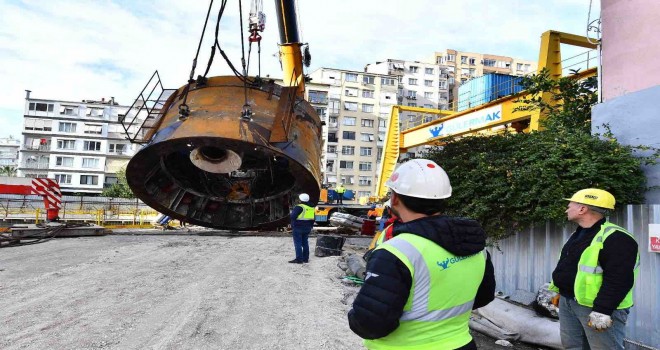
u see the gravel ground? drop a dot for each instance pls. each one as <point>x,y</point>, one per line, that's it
<point>174,292</point>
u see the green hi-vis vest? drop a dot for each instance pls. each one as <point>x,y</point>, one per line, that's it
<point>340,190</point>
<point>383,233</point>
<point>443,289</point>
<point>589,276</point>
<point>306,214</point>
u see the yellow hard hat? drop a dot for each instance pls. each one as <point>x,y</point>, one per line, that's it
<point>594,197</point>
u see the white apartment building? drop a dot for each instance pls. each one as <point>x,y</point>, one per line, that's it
<point>9,147</point>
<point>359,105</point>
<point>80,144</point>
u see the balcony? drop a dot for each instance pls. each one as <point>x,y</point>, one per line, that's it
<point>42,148</point>
<point>34,165</point>
<point>318,100</point>
<point>333,139</point>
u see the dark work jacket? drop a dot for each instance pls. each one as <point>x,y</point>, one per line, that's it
<point>617,258</point>
<point>379,304</point>
<point>300,224</point>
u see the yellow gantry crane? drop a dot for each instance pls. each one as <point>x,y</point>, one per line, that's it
<point>497,113</point>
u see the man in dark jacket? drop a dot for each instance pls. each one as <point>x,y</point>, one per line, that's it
<point>302,222</point>
<point>595,275</point>
<point>422,284</point>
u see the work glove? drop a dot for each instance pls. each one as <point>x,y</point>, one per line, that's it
<point>599,322</point>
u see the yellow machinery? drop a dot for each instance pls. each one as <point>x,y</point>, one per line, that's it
<point>480,119</point>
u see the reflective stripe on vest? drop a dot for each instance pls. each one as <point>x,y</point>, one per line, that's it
<point>589,277</point>
<point>306,214</point>
<point>437,312</point>
<point>382,236</point>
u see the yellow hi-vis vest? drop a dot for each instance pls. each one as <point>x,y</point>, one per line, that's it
<point>443,289</point>
<point>589,276</point>
<point>306,214</point>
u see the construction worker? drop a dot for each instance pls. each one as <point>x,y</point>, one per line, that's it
<point>302,222</point>
<point>340,193</point>
<point>372,214</point>
<point>421,285</point>
<point>595,275</point>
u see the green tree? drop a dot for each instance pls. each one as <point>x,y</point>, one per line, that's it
<point>8,170</point>
<point>511,181</point>
<point>119,189</point>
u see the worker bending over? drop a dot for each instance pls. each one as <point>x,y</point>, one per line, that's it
<point>422,284</point>
<point>595,275</point>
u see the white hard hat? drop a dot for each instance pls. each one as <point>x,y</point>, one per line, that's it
<point>304,197</point>
<point>420,178</point>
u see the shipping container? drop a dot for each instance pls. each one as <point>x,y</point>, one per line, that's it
<point>481,90</point>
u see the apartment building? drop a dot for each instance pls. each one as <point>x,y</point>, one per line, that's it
<point>9,147</point>
<point>80,144</point>
<point>462,66</point>
<point>359,105</point>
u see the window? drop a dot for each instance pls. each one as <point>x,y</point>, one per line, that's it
<point>89,180</point>
<point>489,62</point>
<point>38,124</point>
<point>351,92</point>
<point>365,166</point>
<point>348,150</point>
<point>93,129</point>
<point>428,95</point>
<point>91,146</point>
<point>332,137</point>
<point>368,79</point>
<point>519,66</point>
<point>333,122</point>
<point>322,112</point>
<point>351,106</point>
<point>366,137</point>
<point>64,161</point>
<point>368,93</point>
<point>369,123</point>
<point>41,107</point>
<point>413,69</point>
<point>345,164</point>
<point>473,72</point>
<point>367,108</point>
<point>365,151</point>
<point>451,80</point>
<point>351,77</point>
<point>364,194</point>
<point>63,178</point>
<point>348,135</point>
<point>364,180</point>
<point>95,112</point>
<point>387,81</point>
<point>464,59</point>
<point>67,127</point>
<point>428,82</point>
<point>66,144</point>
<point>443,84</point>
<point>428,70</point>
<point>412,81</point>
<point>465,71</point>
<point>412,104</point>
<point>329,167</point>
<point>334,107</point>
<point>347,180</point>
<point>451,57</point>
<point>349,121</point>
<point>426,105</point>
<point>69,110</point>
<point>332,149</point>
<point>472,61</point>
<point>527,67</point>
<point>90,163</point>
<point>412,93</point>
<point>382,123</point>
<point>116,148</point>
<point>318,96</point>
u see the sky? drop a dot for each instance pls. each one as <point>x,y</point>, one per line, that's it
<point>76,50</point>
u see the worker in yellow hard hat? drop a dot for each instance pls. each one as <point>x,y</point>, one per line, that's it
<point>422,284</point>
<point>595,275</point>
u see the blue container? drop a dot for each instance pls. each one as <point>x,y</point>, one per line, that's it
<point>484,89</point>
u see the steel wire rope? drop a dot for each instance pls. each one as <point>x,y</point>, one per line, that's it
<point>194,64</point>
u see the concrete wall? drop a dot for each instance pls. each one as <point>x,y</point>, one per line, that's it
<point>635,120</point>
<point>630,46</point>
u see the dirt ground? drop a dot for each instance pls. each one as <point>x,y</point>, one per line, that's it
<point>174,292</point>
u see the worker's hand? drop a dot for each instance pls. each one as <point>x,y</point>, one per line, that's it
<point>599,322</point>
<point>555,300</point>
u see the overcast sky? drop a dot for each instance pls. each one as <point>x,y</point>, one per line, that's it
<point>75,50</point>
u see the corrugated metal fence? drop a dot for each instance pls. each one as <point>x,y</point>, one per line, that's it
<point>525,261</point>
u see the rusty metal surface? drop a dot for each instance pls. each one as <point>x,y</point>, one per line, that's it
<point>271,174</point>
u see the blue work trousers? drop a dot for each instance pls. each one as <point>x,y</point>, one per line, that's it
<point>576,335</point>
<point>301,243</point>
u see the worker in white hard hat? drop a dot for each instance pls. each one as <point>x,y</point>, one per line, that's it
<point>595,275</point>
<point>302,222</point>
<point>422,284</point>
